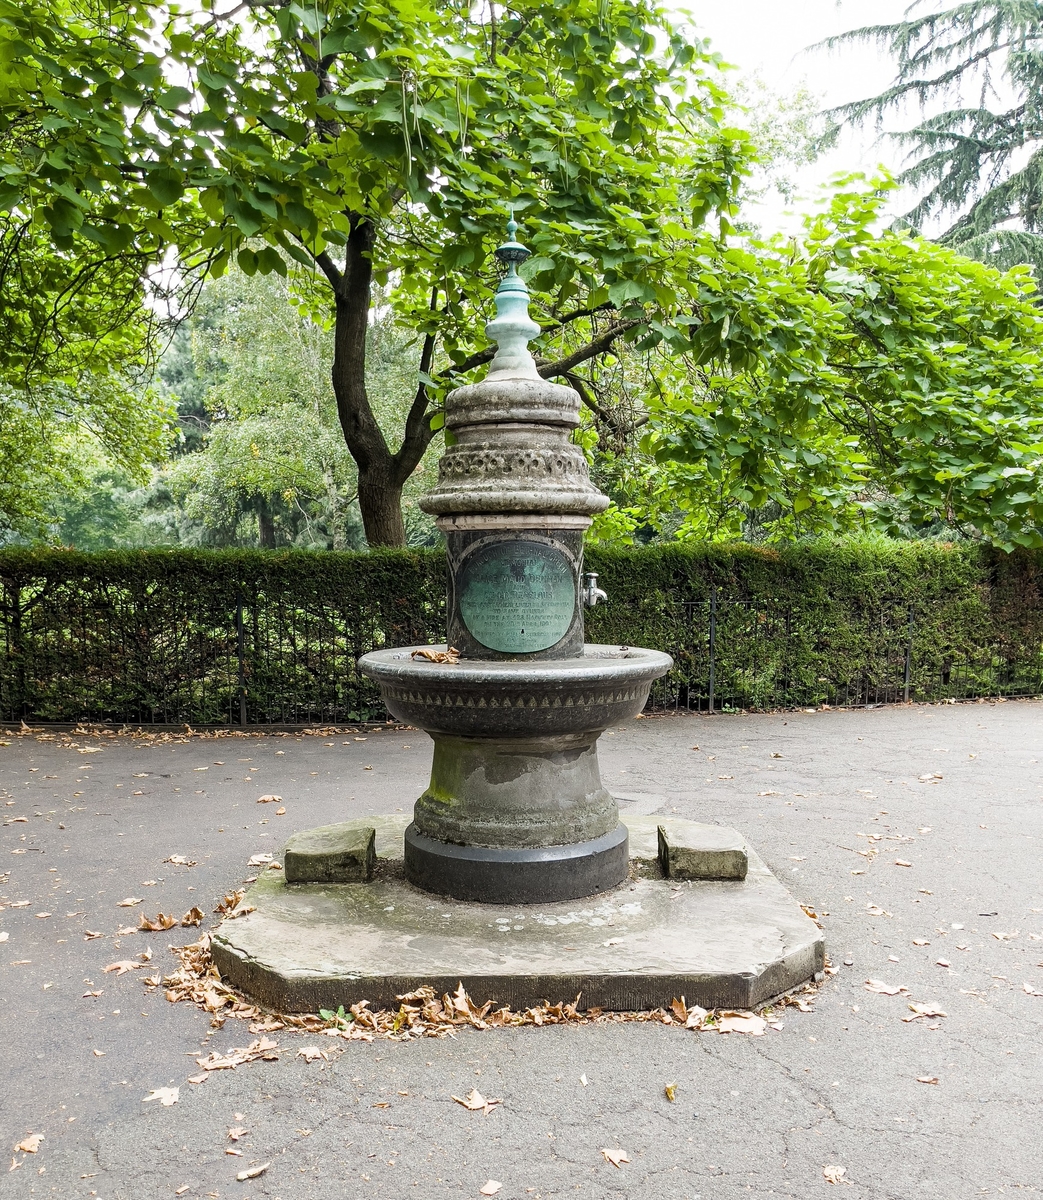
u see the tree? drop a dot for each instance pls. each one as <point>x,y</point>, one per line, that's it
<point>878,381</point>
<point>978,162</point>
<point>379,143</point>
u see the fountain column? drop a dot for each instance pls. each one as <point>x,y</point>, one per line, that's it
<point>516,810</point>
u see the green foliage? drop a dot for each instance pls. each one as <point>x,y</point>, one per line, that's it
<point>154,635</point>
<point>875,382</point>
<point>980,167</point>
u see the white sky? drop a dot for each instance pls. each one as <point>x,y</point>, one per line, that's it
<point>769,37</point>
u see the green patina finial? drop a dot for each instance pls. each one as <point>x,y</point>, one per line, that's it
<point>513,328</point>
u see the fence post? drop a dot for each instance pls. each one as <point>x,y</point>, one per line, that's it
<point>241,650</point>
<point>713,637</point>
<point>909,656</point>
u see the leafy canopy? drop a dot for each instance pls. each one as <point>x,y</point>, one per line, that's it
<point>975,70</point>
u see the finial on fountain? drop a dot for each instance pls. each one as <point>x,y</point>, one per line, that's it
<point>513,328</point>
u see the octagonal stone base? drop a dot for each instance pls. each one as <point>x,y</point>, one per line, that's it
<point>721,944</point>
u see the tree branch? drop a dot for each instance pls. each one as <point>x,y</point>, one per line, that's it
<point>592,349</point>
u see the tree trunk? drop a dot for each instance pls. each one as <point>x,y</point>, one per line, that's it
<point>265,526</point>
<point>381,473</point>
<point>381,504</point>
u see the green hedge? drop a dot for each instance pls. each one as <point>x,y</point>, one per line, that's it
<point>269,636</point>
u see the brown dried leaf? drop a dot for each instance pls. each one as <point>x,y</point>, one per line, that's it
<point>476,1102</point>
<point>165,1095</point>
<point>253,1172</point>
<point>158,923</point>
<point>1030,990</point>
<point>129,902</point>
<point>312,1053</point>
<point>236,1132</point>
<point>885,989</point>
<point>927,1079</point>
<point>194,916</point>
<point>30,1144</point>
<point>490,1188</point>
<point>924,1010</point>
<point>679,1009</point>
<point>179,860</point>
<point>123,966</point>
<point>267,799</point>
<point>616,1157</point>
<point>450,655</point>
<point>741,1022</point>
<point>834,1174</point>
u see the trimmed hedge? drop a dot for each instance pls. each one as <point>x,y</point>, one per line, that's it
<point>231,636</point>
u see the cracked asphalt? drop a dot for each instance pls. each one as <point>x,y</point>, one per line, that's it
<point>834,802</point>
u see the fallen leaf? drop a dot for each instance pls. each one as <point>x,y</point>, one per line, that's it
<point>679,1009</point>
<point>123,966</point>
<point>1030,990</point>
<point>741,1022</point>
<point>670,1092</point>
<point>900,862</point>
<point>129,902</point>
<point>98,1053</point>
<point>157,923</point>
<point>311,1053</point>
<point>269,799</point>
<point>885,989</point>
<point>166,1096</point>
<point>924,1010</point>
<point>616,1157</point>
<point>491,1188</point>
<point>31,1144</point>
<point>179,860</point>
<point>834,1174</point>
<point>920,942</point>
<point>146,955</point>
<point>181,1190</point>
<point>260,860</point>
<point>942,962</point>
<point>194,916</point>
<point>94,994</point>
<point>44,914</point>
<point>281,811</point>
<point>236,1132</point>
<point>201,1078</point>
<point>253,1172</point>
<point>696,1017</point>
<point>387,1104</point>
<point>449,655</point>
<point>89,935</point>
<point>927,1079</point>
<point>475,1101</point>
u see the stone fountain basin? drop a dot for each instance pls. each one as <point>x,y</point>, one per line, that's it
<point>532,698</point>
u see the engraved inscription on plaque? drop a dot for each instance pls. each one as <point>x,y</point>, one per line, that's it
<point>517,596</point>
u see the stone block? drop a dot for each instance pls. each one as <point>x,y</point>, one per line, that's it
<point>342,853</point>
<point>688,850</point>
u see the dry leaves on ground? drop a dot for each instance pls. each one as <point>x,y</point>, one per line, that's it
<point>165,1095</point>
<point>123,966</point>
<point>236,1132</point>
<point>1030,990</point>
<point>885,989</point>
<point>917,1011</point>
<point>490,1188</point>
<point>616,1157</point>
<point>260,1048</point>
<point>927,1079</point>
<point>476,1102</point>
<point>312,1053</point>
<point>129,902</point>
<point>232,905</point>
<point>741,1022</point>
<point>179,860</point>
<point>449,655</point>
<point>253,1172</point>
<point>30,1144</point>
<point>269,799</point>
<point>834,1174</point>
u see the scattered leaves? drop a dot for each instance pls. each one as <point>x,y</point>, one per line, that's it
<point>157,923</point>
<point>236,1132</point>
<point>129,902</point>
<point>30,1144</point>
<point>269,799</point>
<point>312,1053</point>
<point>475,1101</point>
<point>260,1048</point>
<point>179,860</point>
<point>194,916</point>
<point>924,1010</point>
<point>616,1157</point>
<point>741,1022</point>
<point>885,989</point>
<point>165,1095</point>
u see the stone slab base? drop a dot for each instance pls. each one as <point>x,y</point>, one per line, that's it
<point>721,944</point>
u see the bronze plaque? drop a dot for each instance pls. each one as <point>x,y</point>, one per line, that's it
<point>517,596</point>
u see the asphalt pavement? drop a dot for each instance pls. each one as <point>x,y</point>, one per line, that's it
<point>915,833</point>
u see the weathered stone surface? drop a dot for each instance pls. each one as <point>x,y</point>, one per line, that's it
<point>342,853</point>
<point>720,944</point>
<point>689,850</point>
